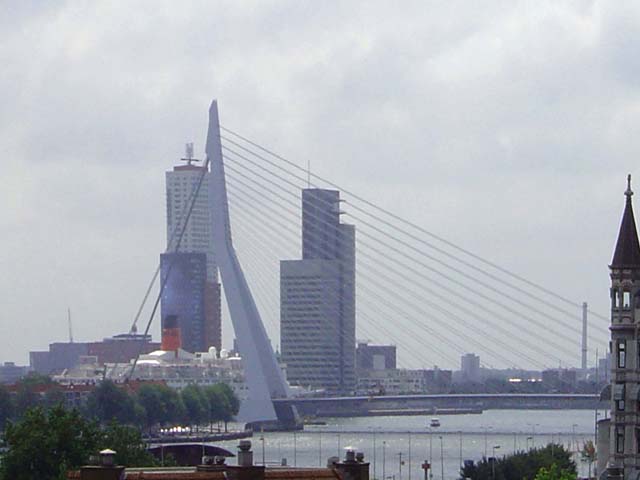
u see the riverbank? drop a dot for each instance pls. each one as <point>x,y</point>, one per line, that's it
<point>198,437</point>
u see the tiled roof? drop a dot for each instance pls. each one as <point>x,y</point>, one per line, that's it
<point>295,473</point>
<point>189,474</point>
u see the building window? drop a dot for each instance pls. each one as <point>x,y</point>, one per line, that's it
<point>626,300</point>
<point>614,298</point>
<point>619,440</point>
<point>618,396</point>
<point>622,354</point>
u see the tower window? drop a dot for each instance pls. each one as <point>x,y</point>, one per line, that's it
<point>614,298</point>
<point>626,299</point>
<point>618,396</point>
<point>622,354</point>
<point>620,440</point>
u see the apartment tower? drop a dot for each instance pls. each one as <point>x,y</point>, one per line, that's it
<point>192,291</point>
<point>317,299</point>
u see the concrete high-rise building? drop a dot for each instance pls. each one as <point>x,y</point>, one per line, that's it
<point>624,443</point>
<point>317,299</point>
<point>470,367</point>
<point>206,330</point>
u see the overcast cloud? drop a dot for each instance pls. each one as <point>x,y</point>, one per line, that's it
<point>507,127</point>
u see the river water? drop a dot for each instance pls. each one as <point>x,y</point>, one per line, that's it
<point>397,446</point>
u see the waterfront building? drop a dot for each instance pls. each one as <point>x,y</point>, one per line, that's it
<point>64,355</point>
<point>317,299</point>
<point>401,381</point>
<point>470,367</point>
<point>186,298</point>
<point>11,373</point>
<point>624,439</point>
<point>375,357</point>
<point>560,379</point>
<point>181,186</point>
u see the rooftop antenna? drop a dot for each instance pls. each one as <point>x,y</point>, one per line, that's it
<point>69,322</point>
<point>188,154</point>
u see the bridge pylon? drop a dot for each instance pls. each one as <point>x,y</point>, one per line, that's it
<point>264,378</point>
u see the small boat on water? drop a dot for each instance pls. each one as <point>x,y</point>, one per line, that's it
<point>435,422</point>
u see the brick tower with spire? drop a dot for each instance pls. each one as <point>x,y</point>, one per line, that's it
<point>624,447</point>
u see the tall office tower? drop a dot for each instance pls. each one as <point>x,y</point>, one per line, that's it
<point>317,299</point>
<point>182,183</point>
<point>624,442</point>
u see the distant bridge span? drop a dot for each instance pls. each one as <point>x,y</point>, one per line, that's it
<point>369,405</point>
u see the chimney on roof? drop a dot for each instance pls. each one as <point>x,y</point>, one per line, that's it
<point>353,467</point>
<point>107,470</point>
<point>245,470</point>
<point>212,464</point>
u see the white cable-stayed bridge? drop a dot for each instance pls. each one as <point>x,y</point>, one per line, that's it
<point>432,298</point>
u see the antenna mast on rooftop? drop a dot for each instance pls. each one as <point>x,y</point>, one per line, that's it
<point>69,322</point>
<point>188,154</point>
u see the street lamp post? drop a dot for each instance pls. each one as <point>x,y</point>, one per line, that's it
<point>384,459</point>
<point>431,452</point>
<point>262,441</point>
<point>320,448</point>
<point>409,456</point>
<point>493,462</point>
<point>486,429</point>
<point>399,465</point>
<point>441,457</point>
<point>374,454</point>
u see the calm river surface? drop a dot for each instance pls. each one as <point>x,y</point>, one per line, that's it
<point>387,440</point>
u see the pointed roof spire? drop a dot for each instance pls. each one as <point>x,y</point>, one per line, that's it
<point>627,253</point>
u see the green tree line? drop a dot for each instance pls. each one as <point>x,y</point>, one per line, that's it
<point>552,462</point>
<point>150,407</point>
<point>46,443</point>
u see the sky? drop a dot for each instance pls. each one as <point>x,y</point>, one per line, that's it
<point>507,127</point>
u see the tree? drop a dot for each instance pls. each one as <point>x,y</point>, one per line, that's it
<point>109,402</point>
<point>589,454</point>
<point>223,403</point>
<point>53,396</point>
<point>45,444</point>
<point>128,445</point>
<point>521,464</point>
<point>150,399</point>
<point>554,473</point>
<point>162,405</point>
<point>215,403</point>
<point>195,403</point>
<point>6,407</point>
<point>29,392</point>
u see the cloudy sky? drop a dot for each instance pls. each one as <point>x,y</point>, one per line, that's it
<point>507,127</point>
